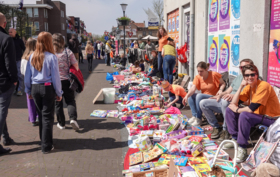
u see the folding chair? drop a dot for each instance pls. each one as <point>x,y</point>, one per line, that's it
<point>260,154</point>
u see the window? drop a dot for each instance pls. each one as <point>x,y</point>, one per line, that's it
<point>45,13</point>
<point>36,25</point>
<point>36,12</point>
<point>144,33</point>
<point>46,26</point>
<point>62,26</point>
<point>62,13</point>
<point>29,12</point>
<point>151,33</point>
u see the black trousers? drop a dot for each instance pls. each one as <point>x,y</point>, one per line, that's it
<point>69,97</point>
<point>44,98</point>
<point>108,59</point>
<point>81,56</point>
<point>89,59</point>
<point>95,53</point>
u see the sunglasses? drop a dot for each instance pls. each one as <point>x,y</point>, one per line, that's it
<point>252,75</point>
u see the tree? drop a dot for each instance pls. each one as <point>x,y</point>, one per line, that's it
<point>158,9</point>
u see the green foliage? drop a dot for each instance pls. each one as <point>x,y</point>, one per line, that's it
<point>124,18</point>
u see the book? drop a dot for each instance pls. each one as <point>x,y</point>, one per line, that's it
<point>99,113</point>
<point>135,158</point>
<point>190,174</point>
<point>197,160</point>
<point>113,113</point>
<point>146,166</point>
<point>186,169</point>
<point>178,160</point>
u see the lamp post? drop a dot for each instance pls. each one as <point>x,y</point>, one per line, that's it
<point>124,8</point>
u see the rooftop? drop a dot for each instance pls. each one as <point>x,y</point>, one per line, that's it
<point>32,6</point>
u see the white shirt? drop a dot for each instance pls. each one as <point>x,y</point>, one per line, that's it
<point>98,47</point>
<point>23,66</point>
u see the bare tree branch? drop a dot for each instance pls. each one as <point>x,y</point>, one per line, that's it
<point>158,9</point>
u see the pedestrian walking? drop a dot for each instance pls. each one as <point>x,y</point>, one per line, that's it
<point>20,48</point>
<point>74,46</point>
<point>103,50</point>
<point>107,51</point>
<point>8,80</point>
<point>169,60</point>
<point>81,54</point>
<point>162,37</point>
<point>99,49</point>
<point>30,48</point>
<point>89,53</point>
<point>95,48</point>
<point>65,59</point>
<point>42,83</point>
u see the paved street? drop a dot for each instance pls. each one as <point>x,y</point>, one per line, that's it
<point>97,150</point>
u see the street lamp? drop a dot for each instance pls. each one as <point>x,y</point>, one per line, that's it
<point>124,8</point>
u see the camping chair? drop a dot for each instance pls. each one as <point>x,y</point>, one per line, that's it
<point>260,154</point>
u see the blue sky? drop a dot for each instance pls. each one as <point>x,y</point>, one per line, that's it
<point>100,15</point>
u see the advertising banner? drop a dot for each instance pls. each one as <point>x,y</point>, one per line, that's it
<point>213,52</point>
<point>273,75</point>
<point>224,54</point>
<point>213,15</point>
<point>173,26</point>
<point>224,22</point>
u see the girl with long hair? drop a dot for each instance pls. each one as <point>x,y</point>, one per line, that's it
<point>30,48</point>
<point>65,59</point>
<point>89,52</point>
<point>42,83</point>
<point>162,40</point>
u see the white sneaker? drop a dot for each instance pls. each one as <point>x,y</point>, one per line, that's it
<point>60,127</point>
<point>191,120</point>
<point>197,122</point>
<point>74,125</point>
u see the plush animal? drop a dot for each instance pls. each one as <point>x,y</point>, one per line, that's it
<point>266,170</point>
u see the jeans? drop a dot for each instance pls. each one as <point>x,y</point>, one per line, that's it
<point>239,125</point>
<point>81,56</point>
<point>153,72</point>
<point>89,59</point>
<point>169,62</point>
<point>31,110</point>
<point>209,106</point>
<point>160,62</point>
<point>44,98</point>
<point>20,77</point>
<point>108,59</point>
<point>194,101</point>
<point>69,97</point>
<point>98,53</point>
<point>5,100</point>
<point>173,97</point>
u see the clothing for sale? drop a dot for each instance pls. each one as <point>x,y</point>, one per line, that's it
<point>149,49</point>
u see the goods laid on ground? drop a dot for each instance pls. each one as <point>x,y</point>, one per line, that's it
<point>161,141</point>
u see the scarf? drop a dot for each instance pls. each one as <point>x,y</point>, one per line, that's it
<point>108,45</point>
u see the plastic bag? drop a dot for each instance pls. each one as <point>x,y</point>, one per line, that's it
<point>182,53</point>
<point>109,77</point>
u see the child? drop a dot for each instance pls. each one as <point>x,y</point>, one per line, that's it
<point>154,62</point>
<point>142,66</point>
<point>136,68</point>
<point>112,55</point>
<point>123,60</point>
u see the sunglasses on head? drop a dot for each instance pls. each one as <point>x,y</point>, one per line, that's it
<point>252,75</point>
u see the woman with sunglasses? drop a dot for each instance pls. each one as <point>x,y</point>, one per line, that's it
<point>264,108</point>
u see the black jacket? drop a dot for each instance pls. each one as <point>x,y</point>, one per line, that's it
<point>155,63</point>
<point>74,45</point>
<point>123,61</point>
<point>20,47</point>
<point>8,66</point>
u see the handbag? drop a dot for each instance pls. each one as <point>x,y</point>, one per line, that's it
<point>73,84</point>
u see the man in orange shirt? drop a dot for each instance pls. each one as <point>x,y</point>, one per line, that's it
<point>176,93</point>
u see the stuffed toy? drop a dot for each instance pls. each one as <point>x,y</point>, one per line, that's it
<point>266,170</point>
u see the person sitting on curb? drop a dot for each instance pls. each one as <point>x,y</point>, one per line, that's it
<point>210,83</point>
<point>219,104</point>
<point>176,94</point>
<point>264,108</point>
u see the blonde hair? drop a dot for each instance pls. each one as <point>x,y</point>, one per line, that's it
<point>88,46</point>
<point>58,42</point>
<point>30,48</point>
<point>44,44</point>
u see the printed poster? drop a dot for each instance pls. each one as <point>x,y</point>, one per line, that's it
<point>213,52</point>
<point>213,15</point>
<point>273,75</point>
<point>224,20</point>
<point>173,21</point>
<point>224,54</point>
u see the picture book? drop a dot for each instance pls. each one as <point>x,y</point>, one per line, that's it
<point>135,158</point>
<point>178,160</point>
<point>197,160</point>
<point>146,166</point>
<point>202,169</point>
<point>186,169</point>
<point>154,153</point>
<point>113,113</point>
<point>190,174</point>
<point>99,113</point>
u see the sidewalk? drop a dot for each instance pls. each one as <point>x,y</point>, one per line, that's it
<point>97,150</point>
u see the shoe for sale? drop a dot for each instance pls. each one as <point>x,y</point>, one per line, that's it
<point>216,133</point>
<point>7,141</point>
<point>241,155</point>
<point>229,145</point>
<point>196,122</point>
<point>46,152</point>
<point>224,136</point>
<point>191,120</point>
<point>19,93</point>
<point>74,125</point>
<point>60,127</point>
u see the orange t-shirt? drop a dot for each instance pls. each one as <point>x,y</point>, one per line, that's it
<point>265,95</point>
<point>162,42</point>
<point>178,90</point>
<point>111,54</point>
<point>209,86</point>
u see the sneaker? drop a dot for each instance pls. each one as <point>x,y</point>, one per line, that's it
<point>224,136</point>
<point>19,93</point>
<point>216,133</point>
<point>229,145</point>
<point>46,152</point>
<point>74,125</point>
<point>191,120</point>
<point>60,127</point>
<point>7,141</point>
<point>241,155</point>
<point>4,150</point>
<point>196,122</point>
<point>35,124</point>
